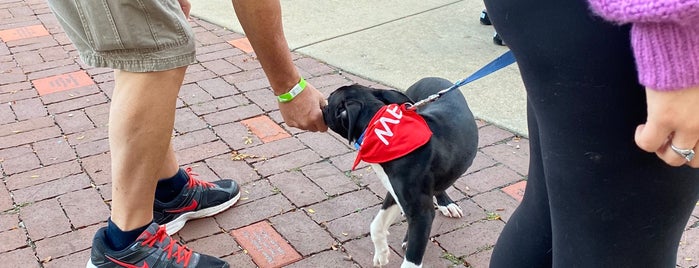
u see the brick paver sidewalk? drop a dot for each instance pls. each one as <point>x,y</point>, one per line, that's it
<point>300,206</point>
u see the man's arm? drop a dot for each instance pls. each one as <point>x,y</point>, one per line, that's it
<point>262,23</point>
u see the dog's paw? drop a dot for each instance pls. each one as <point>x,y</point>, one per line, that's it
<point>381,257</point>
<point>452,210</point>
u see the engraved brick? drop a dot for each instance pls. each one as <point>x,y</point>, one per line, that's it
<point>266,247</point>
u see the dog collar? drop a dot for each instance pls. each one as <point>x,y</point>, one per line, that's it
<point>393,132</point>
<point>358,142</point>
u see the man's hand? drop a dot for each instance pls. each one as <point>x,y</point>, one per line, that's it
<point>673,119</point>
<point>186,7</point>
<point>304,111</point>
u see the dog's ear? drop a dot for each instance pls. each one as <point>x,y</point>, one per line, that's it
<point>388,96</point>
<point>349,116</point>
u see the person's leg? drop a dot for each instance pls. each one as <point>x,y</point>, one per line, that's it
<point>526,238</point>
<point>611,204</point>
<point>140,125</point>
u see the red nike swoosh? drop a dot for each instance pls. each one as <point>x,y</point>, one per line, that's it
<point>192,206</point>
<point>127,265</point>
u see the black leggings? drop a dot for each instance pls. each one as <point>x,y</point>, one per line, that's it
<point>593,198</point>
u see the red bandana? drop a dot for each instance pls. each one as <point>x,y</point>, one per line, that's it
<point>394,131</point>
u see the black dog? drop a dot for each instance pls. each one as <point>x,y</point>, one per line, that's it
<point>413,178</point>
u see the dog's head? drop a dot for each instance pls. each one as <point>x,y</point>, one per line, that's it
<point>350,108</point>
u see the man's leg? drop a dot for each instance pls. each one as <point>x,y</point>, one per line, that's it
<point>141,120</point>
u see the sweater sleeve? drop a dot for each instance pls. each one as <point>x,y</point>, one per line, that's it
<point>664,36</point>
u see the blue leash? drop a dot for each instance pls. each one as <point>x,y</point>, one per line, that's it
<point>500,62</point>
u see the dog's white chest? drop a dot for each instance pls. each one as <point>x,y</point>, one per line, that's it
<point>386,183</point>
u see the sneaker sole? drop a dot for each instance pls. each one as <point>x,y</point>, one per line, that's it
<point>177,224</point>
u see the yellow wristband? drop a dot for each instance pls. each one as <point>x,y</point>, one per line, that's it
<point>297,89</point>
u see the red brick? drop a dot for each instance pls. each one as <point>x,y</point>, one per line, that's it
<point>66,244</point>
<point>247,62</point>
<point>201,152</point>
<point>44,219</point>
<point>19,258</point>
<point>516,190</point>
<point>88,136</point>
<point>23,33</point>
<point>12,76</point>
<point>225,167</point>
<point>256,74</point>
<point>486,180</point>
<point>329,178</point>
<point>53,53</point>
<point>28,58</point>
<point>266,247</point>
<point>62,82</point>
<point>249,85</point>
<point>287,162</point>
<point>218,245</point>
<point>42,175</point>
<point>298,189</point>
<point>242,44</point>
<point>58,70</point>
<point>265,129</point>
<point>17,95</point>
<point>240,260</point>
<point>14,152</point>
<point>51,189</point>
<point>10,88</point>
<point>203,50</point>
<point>48,67</point>
<point>342,205</point>
<point>474,238</point>
<point>245,214</point>
<point>20,164</point>
<point>12,239</point>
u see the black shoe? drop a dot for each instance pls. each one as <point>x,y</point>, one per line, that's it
<point>497,40</point>
<point>198,199</point>
<point>485,20</point>
<point>153,249</point>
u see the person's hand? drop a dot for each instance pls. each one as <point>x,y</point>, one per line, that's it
<point>673,119</point>
<point>186,7</point>
<point>304,111</point>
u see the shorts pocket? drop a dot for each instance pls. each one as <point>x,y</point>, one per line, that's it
<point>133,24</point>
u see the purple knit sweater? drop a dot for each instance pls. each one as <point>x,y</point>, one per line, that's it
<point>665,38</point>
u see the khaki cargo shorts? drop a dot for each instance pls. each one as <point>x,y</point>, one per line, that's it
<point>130,35</point>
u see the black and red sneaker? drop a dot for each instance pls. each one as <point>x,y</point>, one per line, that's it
<point>154,248</point>
<point>198,199</point>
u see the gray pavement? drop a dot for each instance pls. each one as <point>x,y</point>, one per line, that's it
<point>397,42</point>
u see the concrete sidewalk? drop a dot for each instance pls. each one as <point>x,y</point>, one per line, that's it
<point>301,206</point>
